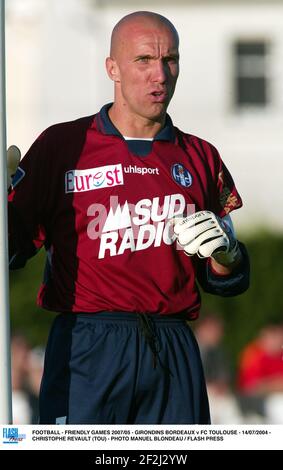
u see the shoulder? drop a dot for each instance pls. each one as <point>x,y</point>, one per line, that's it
<point>64,138</point>
<point>197,142</point>
<point>67,129</point>
<point>199,148</point>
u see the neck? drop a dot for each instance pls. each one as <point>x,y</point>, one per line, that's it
<point>133,125</point>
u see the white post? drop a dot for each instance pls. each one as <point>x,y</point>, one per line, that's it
<point>5,356</point>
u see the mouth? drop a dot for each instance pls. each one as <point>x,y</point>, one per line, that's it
<point>159,96</point>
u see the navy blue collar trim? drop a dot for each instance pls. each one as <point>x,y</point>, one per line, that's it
<point>105,126</point>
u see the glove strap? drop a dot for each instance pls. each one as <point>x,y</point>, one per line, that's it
<point>228,258</point>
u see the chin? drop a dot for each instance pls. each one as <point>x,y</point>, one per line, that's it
<point>158,113</point>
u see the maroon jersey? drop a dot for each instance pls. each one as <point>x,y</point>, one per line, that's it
<point>103,207</point>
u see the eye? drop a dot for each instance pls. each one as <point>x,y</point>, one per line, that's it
<point>172,60</point>
<point>143,60</point>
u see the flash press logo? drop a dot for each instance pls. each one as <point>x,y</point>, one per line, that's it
<point>12,436</point>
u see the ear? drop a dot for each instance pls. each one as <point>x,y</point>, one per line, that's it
<point>112,69</point>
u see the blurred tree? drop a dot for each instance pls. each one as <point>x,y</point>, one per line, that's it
<point>262,303</point>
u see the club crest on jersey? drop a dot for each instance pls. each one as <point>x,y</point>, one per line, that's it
<point>181,175</point>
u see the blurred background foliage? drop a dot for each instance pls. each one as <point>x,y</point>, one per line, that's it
<point>243,315</point>
<point>262,304</point>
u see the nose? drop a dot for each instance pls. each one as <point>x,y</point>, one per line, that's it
<point>160,71</point>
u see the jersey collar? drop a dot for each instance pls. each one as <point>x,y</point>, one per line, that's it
<point>105,125</point>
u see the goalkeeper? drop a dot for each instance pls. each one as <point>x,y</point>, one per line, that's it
<point>132,213</point>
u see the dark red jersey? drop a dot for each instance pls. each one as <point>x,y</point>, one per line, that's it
<point>103,207</point>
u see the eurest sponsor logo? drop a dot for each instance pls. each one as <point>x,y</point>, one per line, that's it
<point>77,181</point>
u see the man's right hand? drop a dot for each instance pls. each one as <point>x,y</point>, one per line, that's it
<point>13,160</point>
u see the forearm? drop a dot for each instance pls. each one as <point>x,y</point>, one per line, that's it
<point>225,281</point>
<point>22,244</point>
<point>223,268</point>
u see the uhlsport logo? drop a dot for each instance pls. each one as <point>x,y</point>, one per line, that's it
<point>77,181</point>
<point>181,175</point>
<point>141,170</point>
<point>12,436</point>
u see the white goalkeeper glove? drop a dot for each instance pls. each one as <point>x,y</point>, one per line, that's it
<point>205,234</point>
<point>13,160</point>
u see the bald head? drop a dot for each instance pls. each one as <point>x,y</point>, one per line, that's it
<point>134,21</point>
<point>144,66</point>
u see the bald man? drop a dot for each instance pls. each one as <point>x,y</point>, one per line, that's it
<point>132,212</point>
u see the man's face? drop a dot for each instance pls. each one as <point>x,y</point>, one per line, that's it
<point>147,66</point>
